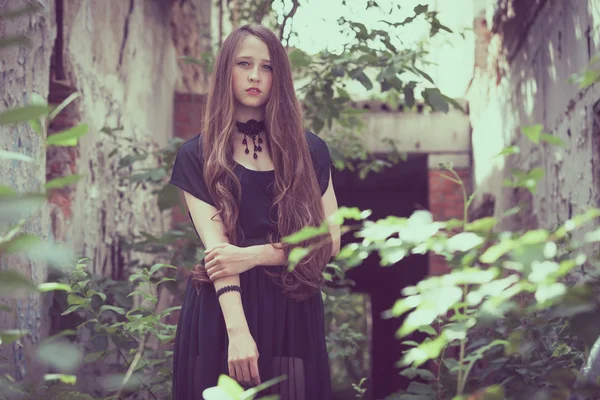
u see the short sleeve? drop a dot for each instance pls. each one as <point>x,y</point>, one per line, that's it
<point>187,170</point>
<point>321,160</point>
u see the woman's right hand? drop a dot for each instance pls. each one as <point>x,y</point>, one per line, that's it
<point>242,358</point>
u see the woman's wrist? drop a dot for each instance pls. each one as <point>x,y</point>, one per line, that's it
<point>236,329</point>
<point>254,254</point>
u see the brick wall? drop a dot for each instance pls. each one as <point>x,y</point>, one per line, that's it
<point>187,123</point>
<point>446,202</point>
<point>60,162</point>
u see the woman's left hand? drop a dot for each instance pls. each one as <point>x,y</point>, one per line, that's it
<point>225,260</point>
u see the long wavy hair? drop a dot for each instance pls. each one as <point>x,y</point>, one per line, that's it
<point>296,190</point>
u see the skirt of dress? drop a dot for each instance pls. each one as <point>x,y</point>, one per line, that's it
<point>289,334</point>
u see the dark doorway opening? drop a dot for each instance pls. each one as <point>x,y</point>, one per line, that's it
<point>399,191</point>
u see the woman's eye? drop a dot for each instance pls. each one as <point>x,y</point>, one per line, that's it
<point>268,67</point>
<point>243,63</point>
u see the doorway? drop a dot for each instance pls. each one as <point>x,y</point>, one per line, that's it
<point>399,191</point>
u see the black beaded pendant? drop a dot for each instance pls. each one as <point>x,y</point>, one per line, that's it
<point>251,128</point>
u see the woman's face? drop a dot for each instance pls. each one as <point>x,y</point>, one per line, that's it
<point>252,73</point>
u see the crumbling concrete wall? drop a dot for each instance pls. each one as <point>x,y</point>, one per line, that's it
<point>525,53</point>
<point>120,57</point>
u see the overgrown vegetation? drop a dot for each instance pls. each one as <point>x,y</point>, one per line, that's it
<point>505,322</point>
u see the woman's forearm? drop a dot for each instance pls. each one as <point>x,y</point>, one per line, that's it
<point>269,255</point>
<point>231,305</point>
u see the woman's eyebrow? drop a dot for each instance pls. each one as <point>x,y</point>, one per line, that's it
<point>251,58</point>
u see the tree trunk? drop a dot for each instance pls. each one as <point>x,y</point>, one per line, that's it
<point>25,71</point>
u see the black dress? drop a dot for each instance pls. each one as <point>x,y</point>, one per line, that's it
<point>290,335</point>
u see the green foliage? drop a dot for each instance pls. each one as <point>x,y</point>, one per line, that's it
<point>508,319</point>
<point>589,76</point>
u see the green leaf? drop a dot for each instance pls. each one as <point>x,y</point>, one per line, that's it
<point>429,349</point>
<point>546,137</point>
<point>549,292</point>
<point>436,100</point>
<point>561,350</point>
<point>9,155</point>
<point>318,124</point>
<point>306,233</point>
<point>36,126</point>
<point>359,75</point>
<point>405,304</point>
<point>421,9</point>
<point>13,282</point>
<point>169,311</point>
<point>424,74</point>
<point>427,329</point>
<point>69,137</point>
<point>493,253</point>
<point>395,82</point>
<point>7,191</point>
<point>409,94</point>
<point>424,374</point>
<point>342,92</point>
<point>118,310</point>
<point>250,393</point>
<point>156,267</point>
<point>62,106</point>
<point>50,286</point>
<point>61,355</point>
<point>61,182</point>
<point>507,151</point>
<point>482,225</point>
<point>10,336</point>
<point>22,114</point>
<point>64,378</point>
<point>463,242</point>
<point>230,386</point>
<point>11,41</point>
<point>73,299</point>
<point>299,58</point>
<point>168,197</point>
<point>71,309</point>
<point>534,237</point>
<point>297,254</point>
<point>533,132</point>
<point>42,251</point>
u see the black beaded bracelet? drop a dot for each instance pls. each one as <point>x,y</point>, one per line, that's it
<point>230,288</point>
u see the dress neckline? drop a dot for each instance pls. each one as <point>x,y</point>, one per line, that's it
<point>254,170</point>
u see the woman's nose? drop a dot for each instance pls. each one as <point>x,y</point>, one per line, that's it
<point>253,75</point>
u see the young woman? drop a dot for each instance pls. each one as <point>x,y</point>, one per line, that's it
<point>251,177</point>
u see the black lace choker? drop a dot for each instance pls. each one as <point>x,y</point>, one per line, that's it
<point>251,128</point>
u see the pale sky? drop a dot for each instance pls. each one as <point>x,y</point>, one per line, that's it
<point>317,25</point>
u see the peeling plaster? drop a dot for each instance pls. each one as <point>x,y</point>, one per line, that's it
<point>535,90</point>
